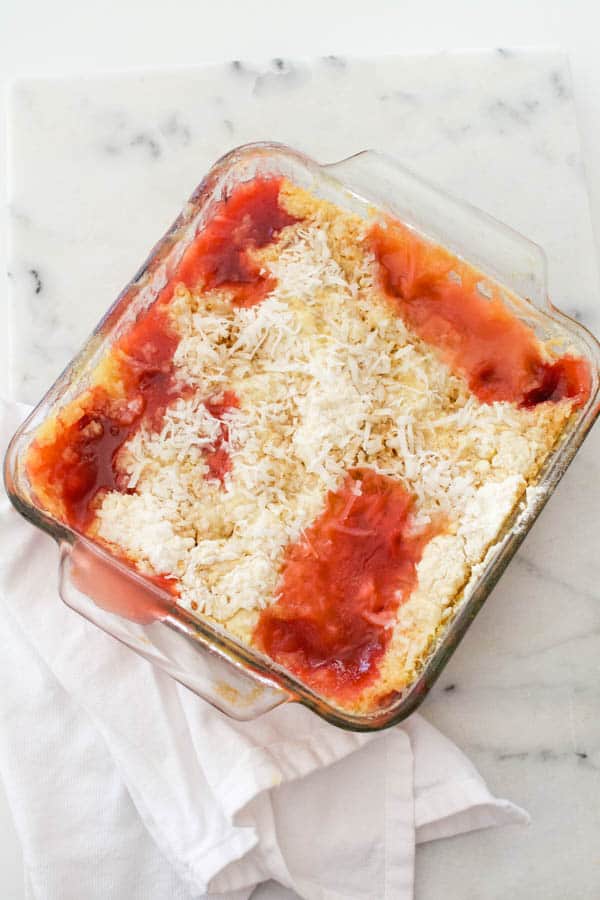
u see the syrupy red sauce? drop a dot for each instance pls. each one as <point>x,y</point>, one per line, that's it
<point>341,585</point>
<point>249,218</point>
<point>478,337</point>
<point>80,463</point>
<point>146,363</point>
<point>85,466</point>
<point>216,457</point>
<point>568,377</point>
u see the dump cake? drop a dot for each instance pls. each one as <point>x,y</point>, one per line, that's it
<point>312,436</point>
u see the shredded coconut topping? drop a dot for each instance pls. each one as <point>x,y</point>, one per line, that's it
<point>328,378</point>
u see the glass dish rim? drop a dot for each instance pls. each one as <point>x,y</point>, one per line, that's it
<point>216,640</point>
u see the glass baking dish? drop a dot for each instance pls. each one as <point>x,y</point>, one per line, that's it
<point>234,677</point>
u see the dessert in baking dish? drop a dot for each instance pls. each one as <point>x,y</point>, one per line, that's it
<point>312,437</point>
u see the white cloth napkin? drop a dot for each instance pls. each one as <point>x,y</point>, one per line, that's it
<point>125,786</point>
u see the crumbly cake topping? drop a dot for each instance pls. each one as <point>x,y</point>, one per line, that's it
<point>274,403</point>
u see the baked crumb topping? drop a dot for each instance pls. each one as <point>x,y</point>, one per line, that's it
<point>283,374</point>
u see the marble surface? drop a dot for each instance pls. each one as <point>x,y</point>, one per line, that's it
<point>99,168</point>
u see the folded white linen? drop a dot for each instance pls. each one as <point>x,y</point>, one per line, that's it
<point>124,784</point>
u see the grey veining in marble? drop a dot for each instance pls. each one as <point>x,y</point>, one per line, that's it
<point>101,166</point>
<point>99,169</point>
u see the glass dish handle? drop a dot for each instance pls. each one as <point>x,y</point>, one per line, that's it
<point>497,250</point>
<point>126,606</point>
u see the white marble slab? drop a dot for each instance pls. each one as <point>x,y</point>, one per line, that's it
<point>99,168</point>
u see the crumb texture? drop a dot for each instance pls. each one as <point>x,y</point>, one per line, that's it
<point>276,402</point>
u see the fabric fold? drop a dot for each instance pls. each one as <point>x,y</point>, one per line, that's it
<point>125,784</point>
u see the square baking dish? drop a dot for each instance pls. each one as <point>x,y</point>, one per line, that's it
<point>234,677</point>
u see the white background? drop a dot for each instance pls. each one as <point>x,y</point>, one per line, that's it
<point>70,36</point>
